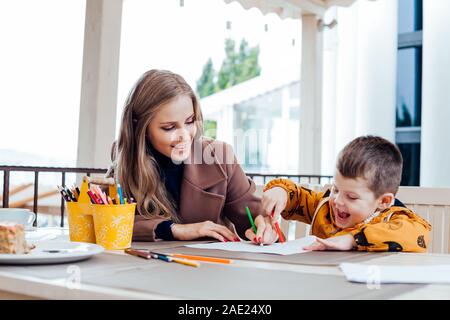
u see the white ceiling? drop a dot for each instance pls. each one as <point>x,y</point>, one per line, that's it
<point>292,8</point>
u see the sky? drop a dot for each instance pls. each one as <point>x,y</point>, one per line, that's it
<point>42,49</point>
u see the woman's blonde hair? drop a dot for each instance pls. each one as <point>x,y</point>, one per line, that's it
<point>137,169</point>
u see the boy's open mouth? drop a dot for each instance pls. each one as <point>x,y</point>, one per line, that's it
<point>342,215</point>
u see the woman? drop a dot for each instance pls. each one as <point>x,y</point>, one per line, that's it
<point>186,186</point>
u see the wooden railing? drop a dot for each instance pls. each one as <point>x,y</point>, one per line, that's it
<point>88,171</point>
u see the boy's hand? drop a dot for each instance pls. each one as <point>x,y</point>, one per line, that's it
<point>274,200</point>
<point>265,234</point>
<point>339,243</point>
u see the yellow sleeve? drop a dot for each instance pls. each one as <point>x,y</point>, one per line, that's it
<point>404,231</point>
<point>301,202</point>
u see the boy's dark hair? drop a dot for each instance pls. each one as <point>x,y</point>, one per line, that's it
<point>375,159</point>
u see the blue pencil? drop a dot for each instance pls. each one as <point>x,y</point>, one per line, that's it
<point>161,257</point>
<point>119,191</point>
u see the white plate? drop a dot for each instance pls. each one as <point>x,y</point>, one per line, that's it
<point>49,252</point>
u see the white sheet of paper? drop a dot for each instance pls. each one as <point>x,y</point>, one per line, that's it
<point>289,247</point>
<point>377,274</point>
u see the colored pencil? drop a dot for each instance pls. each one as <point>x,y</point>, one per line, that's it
<point>99,193</point>
<point>201,258</point>
<point>251,219</point>
<point>185,262</point>
<point>61,190</point>
<point>94,199</point>
<point>170,259</point>
<point>119,192</point>
<point>75,193</point>
<point>278,229</point>
<point>160,257</point>
<point>98,198</point>
<point>71,196</point>
<point>91,196</point>
<point>252,223</point>
<point>139,253</point>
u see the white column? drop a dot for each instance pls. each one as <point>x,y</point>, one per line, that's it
<point>99,82</point>
<point>376,68</point>
<point>435,140</point>
<point>310,136</point>
<point>329,95</point>
<point>346,85</point>
<point>366,71</point>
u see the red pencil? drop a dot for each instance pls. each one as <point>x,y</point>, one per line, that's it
<point>94,197</point>
<point>277,228</point>
<point>91,196</point>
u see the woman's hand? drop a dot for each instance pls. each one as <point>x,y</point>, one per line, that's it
<point>339,243</point>
<point>274,200</point>
<point>194,231</point>
<point>265,233</point>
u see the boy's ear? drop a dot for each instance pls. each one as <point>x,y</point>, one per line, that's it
<point>385,200</point>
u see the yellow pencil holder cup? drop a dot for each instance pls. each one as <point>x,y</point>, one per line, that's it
<point>110,226</point>
<point>81,222</point>
<point>113,225</point>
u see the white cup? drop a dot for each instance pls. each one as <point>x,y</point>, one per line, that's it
<point>18,215</point>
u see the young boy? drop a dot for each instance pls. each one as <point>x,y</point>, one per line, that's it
<point>360,211</point>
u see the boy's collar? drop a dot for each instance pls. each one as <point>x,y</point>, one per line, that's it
<point>377,213</point>
<point>372,216</point>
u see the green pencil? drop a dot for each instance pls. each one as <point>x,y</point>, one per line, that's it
<point>251,219</point>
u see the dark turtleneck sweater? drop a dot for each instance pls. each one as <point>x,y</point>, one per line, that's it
<point>171,174</point>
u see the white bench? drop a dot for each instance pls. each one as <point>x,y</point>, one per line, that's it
<point>433,204</point>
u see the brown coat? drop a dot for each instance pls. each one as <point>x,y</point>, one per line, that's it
<point>216,190</point>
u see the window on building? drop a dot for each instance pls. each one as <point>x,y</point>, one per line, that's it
<point>409,92</point>
<point>266,126</point>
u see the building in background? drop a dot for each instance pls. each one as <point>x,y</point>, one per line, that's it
<point>260,119</point>
<point>385,70</point>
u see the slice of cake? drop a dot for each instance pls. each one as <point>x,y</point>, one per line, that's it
<point>12,238</point>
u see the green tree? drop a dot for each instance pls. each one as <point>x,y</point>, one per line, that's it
<point>248,66</point>
<point>205,85</point>
<point>238,66</point>
<point>227,73</point>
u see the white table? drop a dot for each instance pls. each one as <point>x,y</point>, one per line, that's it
<point>29,284</point>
